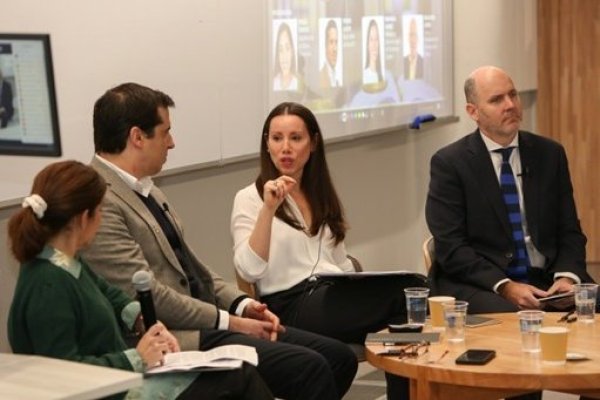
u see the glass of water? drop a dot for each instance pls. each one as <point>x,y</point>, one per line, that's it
<point>455,316</point>
<point>530,322</point>
<point>416,304</point>
<point>585,301</point>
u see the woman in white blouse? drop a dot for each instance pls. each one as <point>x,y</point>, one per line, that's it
<point>289,225</point>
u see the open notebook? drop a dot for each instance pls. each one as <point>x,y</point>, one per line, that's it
<point>219,358</point>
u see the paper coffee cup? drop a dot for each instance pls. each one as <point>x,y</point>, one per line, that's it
<point>553,341</point>
<point>436,310</point>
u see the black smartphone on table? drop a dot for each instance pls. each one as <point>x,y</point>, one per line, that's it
<point>400,328</point>
<point>476,357</point>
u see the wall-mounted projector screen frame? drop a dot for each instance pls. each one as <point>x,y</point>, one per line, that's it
<point>28,112</point>
<point>320,54</point>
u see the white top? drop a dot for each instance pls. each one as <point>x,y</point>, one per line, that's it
<point>294,255</point>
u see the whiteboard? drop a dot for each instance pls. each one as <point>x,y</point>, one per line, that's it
<point>212,57</point>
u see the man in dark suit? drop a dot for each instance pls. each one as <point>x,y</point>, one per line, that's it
<point>475,246</point>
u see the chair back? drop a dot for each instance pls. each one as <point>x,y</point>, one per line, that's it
<point>428,253</point>
<point>355,263</point>
<point>245,286</point>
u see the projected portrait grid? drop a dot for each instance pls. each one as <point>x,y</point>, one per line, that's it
<point>362,64</point>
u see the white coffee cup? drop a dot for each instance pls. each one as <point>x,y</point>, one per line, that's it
<point>436,310</point>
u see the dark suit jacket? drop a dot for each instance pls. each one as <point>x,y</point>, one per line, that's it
<point>468,219</point>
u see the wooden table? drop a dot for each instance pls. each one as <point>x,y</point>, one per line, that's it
<point>511,373</point>
<point>25,377</point>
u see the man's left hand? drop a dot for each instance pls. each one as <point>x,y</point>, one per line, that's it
<point>260,311</point>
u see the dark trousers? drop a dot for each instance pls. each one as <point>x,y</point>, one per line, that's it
<point>347,310</point>
<point>299,365</point>
<point>238,384</point>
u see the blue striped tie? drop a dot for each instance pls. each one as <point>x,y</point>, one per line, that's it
<point>517,269</point>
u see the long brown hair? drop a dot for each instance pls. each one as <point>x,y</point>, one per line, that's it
<point>68,188</point>
<point>316,183</point>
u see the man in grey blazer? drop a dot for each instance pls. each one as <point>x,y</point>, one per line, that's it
<point>140,231</point>
<point>466,213</point>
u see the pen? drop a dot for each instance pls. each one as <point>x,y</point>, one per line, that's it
<point>568,317</point>
<point>440,358</point>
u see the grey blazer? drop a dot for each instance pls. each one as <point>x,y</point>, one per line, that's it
<point>130,239</point>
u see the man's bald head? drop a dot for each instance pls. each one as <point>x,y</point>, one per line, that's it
<point>478,77</point>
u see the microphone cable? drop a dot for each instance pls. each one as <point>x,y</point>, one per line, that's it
<point>310,280</point>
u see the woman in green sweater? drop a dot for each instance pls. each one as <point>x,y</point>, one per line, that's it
<point>62,309</point>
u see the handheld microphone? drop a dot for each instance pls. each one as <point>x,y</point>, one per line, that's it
<point>141,281</point>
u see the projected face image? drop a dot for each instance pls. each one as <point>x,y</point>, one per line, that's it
<point>285,60</point>
<point>285,54</point>
<point>373,46</point>
<point>372,72</point>
<point>332,45</point>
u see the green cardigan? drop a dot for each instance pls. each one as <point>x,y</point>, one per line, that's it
<point>69,312</point>
<point>57,315</point>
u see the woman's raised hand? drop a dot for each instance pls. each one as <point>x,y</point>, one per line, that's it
<point>275,191</point>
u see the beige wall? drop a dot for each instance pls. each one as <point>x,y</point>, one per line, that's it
<point>382,180</point>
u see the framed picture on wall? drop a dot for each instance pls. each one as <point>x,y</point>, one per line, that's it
<point>28,112</point>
